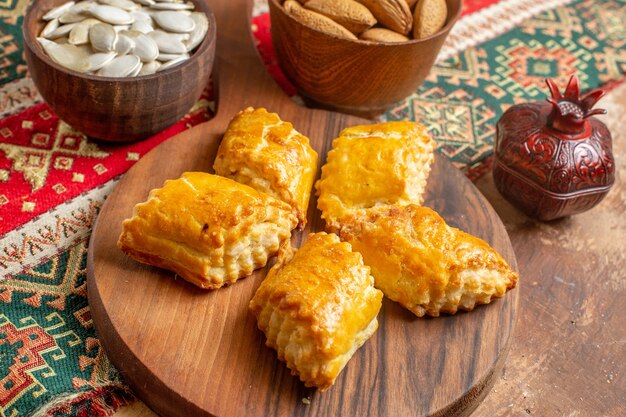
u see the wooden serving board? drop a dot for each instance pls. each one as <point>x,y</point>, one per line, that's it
<point>191,352</point>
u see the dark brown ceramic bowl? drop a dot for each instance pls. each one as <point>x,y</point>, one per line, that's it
<point>117,109</point>
<point>358,77</point>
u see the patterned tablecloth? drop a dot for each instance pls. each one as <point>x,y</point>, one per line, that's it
<point>53,179</point>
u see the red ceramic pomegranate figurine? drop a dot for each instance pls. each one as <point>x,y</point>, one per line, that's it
<point>553,159</point>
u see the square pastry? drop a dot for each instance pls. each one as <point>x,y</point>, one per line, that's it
<point>373,166</point>
<point>208,229</point>
<point>317,306</point>
<point>269,155</point>
<point>424,264</point>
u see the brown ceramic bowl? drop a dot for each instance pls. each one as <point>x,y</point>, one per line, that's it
<point>358,77</point>
<point>117,109</point>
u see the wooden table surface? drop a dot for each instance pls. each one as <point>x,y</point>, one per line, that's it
<point>568,356</point>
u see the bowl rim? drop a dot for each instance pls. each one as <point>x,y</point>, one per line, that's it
<point>30,41</point>
<point>445,29</point>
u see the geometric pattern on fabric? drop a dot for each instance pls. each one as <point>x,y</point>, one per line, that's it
<point>48,346</point>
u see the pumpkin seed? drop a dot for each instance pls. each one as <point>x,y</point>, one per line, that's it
<point>66,55</point>
<point>199,32</point>
<point>172,63</point>
<point>124,44</point>
<point>121,66</point>
<point>150,68</point>
<point>100,59</point>
<point>110,14</point>
<point>172,21</point>
<point>168,43</point>
<point>58,11</point>
<point>102,37</point>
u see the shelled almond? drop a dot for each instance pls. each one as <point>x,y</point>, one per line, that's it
<point>389,21</point>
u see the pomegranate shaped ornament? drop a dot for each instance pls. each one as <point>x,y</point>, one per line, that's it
<point>554,159</point>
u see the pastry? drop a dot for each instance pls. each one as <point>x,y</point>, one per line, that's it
<point>424,264</point>
<point>372,166</point>
<point>269,155</point>
<point>208,229</point>
<point>317,306</point>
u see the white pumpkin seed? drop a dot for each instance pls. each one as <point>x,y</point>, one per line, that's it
<point>99,60</point>
<point>145,2</point>
<point>173,6</point>
<point>121,66</point>
<point>119,28</point>
<point>102,37</point>
<point>172,63</point>
<point>150,68</point>
<point>70,17</point>
<point>66,55</point>
<point>199,32</point>
<point>141,15</point>
<point>58,11</point>
<point>137,70</point>
<point>82,6</point>
<point>168,43</point>
<point>174,22</point>
<point>127,5</point>
<point>170,57</point>
<point>110,14</point>
<point>123,45</point>
<point>61,31</point>
<point>50,27</point>
<point>142,26</point>
<point>146,48</point>
<point>79,35</point>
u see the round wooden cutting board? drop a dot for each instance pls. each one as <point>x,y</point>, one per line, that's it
<point>191,352</point>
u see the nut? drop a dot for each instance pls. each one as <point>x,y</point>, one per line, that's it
<point>348,13</point>
<point>394,14</point>
<point>429,16</point>
<point>316,21</point>
<point>383,35</point>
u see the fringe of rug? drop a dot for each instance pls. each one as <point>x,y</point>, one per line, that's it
<point>102,401</point>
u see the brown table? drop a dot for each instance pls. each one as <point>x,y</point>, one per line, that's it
<point>568,356</point>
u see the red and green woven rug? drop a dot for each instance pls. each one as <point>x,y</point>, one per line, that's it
<point>53,179</point>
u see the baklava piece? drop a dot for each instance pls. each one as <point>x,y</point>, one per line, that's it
<point>317,306</point>
<point>424,264</point>
<point>208,229</point>
<point>269,155</point>
<point>373,166</point>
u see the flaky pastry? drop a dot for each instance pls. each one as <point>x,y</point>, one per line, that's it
<point>208,229</point>
<point>268,154</point>
<point>317,306</point>
<point>426,265</point>
<point>374,166</point>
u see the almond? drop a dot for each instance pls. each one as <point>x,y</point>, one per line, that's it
<point>411,3</point>
<point>316,21</point>
<point>383,35</point>
<point>348,13</point>
<point>429,17</point>
<point>394,14</point>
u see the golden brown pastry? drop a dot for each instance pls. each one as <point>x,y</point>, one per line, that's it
<point>317,306</point>
<point>426,265</point>
<point>269,155</point>
<point>208,229</point>
<point>373,166</point>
